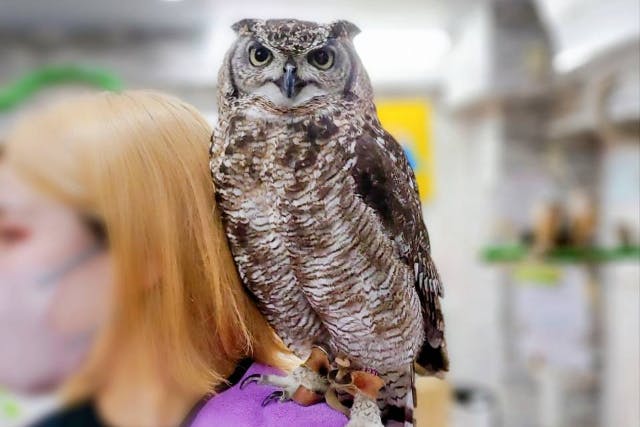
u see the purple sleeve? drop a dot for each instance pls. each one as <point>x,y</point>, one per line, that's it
<point>242,408</point>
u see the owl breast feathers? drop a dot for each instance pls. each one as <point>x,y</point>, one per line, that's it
<point>321,206</point>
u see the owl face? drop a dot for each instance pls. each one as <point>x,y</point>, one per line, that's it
<point>290,62</point>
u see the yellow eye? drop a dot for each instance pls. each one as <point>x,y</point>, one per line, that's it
<point>259,56</point>
<point>321,58</point>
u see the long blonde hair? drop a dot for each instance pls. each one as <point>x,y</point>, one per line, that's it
<point>137,163</point>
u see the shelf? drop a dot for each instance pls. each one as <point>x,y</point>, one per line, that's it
<point>517,253</point>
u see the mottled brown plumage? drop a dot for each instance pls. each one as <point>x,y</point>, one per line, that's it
<point>321,206</point>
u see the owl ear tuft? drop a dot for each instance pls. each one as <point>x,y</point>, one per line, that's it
<point>244,26</point>
<point>344,29</point>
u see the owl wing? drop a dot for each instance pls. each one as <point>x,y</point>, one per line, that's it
<point>385,181</point>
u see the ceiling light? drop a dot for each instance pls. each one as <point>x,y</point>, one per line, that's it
<point>402,55</point>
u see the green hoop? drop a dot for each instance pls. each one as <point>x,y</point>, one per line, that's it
<point>16,93</point>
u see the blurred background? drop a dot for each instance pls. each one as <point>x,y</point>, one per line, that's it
<point>522,121</point>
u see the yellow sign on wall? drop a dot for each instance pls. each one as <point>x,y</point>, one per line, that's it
<point>409,121</point>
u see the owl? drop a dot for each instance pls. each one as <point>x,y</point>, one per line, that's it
<point>322,214</point>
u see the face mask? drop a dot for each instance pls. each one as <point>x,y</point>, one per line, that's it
<point>34,355</point>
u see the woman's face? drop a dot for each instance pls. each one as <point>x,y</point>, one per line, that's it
<point>55,286</point>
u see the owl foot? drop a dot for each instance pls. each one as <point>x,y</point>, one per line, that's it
<point>364,386</point>
<point>306,385</point>
<point>364,412</point>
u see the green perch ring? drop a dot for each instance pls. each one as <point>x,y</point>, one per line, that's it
<point>14,94</point>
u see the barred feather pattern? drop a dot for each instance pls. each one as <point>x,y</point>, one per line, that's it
<point>323,216</point>
<point>311,250</point>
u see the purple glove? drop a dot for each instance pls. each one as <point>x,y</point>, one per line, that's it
<point>242,408</point>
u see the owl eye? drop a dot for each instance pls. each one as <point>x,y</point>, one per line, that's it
<point>321,58</point>
<point>259,56</point>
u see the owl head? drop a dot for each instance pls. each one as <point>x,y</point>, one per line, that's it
<point>289,62</point>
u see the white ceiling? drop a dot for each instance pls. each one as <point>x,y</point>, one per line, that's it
<point>413,33</point>
<point>159,15</point>
<point>572,22</point>
<point>583,28</point>
<point>97,15</point>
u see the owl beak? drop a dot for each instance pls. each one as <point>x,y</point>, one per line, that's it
<point>289,80</point>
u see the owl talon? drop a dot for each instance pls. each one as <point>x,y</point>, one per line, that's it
<point>251,379</point>
<point>276,396</point>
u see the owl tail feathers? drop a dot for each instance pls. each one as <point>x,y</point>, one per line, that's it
<point>432,361</point>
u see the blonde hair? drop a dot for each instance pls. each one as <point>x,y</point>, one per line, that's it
<point>137,163</point>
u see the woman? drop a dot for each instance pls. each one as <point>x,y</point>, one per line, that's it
<point>116,283</point>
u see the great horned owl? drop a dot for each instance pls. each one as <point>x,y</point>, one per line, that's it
<point>323,217</point>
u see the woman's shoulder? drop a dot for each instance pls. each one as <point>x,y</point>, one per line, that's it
<point>243,408</point>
